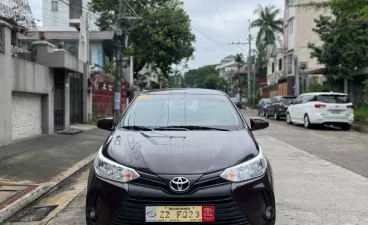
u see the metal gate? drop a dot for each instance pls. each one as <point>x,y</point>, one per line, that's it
<point>76,98</point>
<point>59,81</point>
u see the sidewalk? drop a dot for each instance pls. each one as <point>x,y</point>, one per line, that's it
<point>30,168</point>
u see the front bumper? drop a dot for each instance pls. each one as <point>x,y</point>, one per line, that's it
<point>235,203</point>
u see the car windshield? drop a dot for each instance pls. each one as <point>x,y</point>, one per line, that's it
<point>339,99</point>
<point>286,101</point>
<point>154,111</point>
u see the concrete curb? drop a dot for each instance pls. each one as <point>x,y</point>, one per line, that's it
<point>43,189</point>
<point>359,128</point>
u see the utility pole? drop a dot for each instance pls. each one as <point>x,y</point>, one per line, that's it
<point>249,60</point>
<point>119,38</point>
<point>296,70</point>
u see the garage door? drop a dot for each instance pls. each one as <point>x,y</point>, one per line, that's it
<point>26,115</point>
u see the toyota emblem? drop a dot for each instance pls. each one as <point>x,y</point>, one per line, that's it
<point>179,184</point>
<point>207,210</point>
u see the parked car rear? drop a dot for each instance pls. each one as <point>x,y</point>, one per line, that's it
<point>322,108</point>
<point>278,106</point>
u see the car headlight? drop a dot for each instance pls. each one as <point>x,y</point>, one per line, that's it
<point>108,169</point>
<point>248,170</point>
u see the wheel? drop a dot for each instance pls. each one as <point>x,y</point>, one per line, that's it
<point>307,123</point>
<point>288,118</point>
<point>276,116</point>
<point>346,127</point>
<point>267,116</point>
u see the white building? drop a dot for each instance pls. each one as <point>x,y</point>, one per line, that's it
<point>55,15</point>
<point>298,25</point>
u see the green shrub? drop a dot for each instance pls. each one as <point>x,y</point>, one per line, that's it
<point>361,113</point>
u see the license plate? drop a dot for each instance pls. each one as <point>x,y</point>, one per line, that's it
<point>335,111</point>
<point>192,214</point>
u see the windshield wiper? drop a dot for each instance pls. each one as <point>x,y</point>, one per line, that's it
<point>172,128</point>
<point>137,128</point>
<point>195,128</point>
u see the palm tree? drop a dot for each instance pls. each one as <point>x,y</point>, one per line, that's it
<point>239,60</point>
<point>269,26</point>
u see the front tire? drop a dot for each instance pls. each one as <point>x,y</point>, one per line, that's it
<point>288,119</point>
<point>307,123</point>
<point>267,116</point>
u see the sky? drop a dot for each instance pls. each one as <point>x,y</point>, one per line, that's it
<point>216,24</point>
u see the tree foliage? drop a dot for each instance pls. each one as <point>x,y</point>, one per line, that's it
<point>210,81</point>
<point>108,68</point>
<point>239,60</point>
<point>268,23</point>
<point>196,77</point>
<point>344,36</point>
<point>161,38</point>
<point>176,80</point>
<point>261,60</point>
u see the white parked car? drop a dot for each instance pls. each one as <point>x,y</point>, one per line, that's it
<point>324,108</point>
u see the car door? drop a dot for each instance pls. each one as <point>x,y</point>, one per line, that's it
<point>269,108</point>
<point>294,109</point>
<point>303,107</point>
<point>276,104</point>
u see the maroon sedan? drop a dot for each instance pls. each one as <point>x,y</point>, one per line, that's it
<point>181,156</point>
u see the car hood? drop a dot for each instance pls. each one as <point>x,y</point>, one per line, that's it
<point>180,152</point>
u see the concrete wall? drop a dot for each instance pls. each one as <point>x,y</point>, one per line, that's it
<point>5,89</point>
<point>26,97</point>
<point>26,115</point>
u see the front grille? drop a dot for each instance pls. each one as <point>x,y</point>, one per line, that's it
<point>132,210</point>
<point>154,181</point>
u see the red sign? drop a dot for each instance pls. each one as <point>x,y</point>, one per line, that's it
<point>208,214</point>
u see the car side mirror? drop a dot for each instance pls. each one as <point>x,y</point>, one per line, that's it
<point>106,124</point>
<point>258,124</point>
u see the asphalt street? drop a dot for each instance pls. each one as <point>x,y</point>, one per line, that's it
<point>321,176</point>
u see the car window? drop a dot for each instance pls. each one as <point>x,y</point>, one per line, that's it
<point>275,100</point>
<point>182,110</point>
<point>298,100</point>
<point>286,100</point>
<point>337,99</point>
<point>305,98</point>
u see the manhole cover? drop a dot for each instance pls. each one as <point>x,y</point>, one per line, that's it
<point>33,214</point>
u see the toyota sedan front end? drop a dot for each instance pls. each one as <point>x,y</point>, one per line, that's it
<point>181,157</point>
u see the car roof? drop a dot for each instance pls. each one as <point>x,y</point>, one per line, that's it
<point>198,91</point>
<point>324,93</point>
<point>284,96</point>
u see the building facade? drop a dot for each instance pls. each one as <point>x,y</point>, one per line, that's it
<point>55,15</point>
<point>41,96</point>
<point>101,45</point>
<point>298,32</point>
